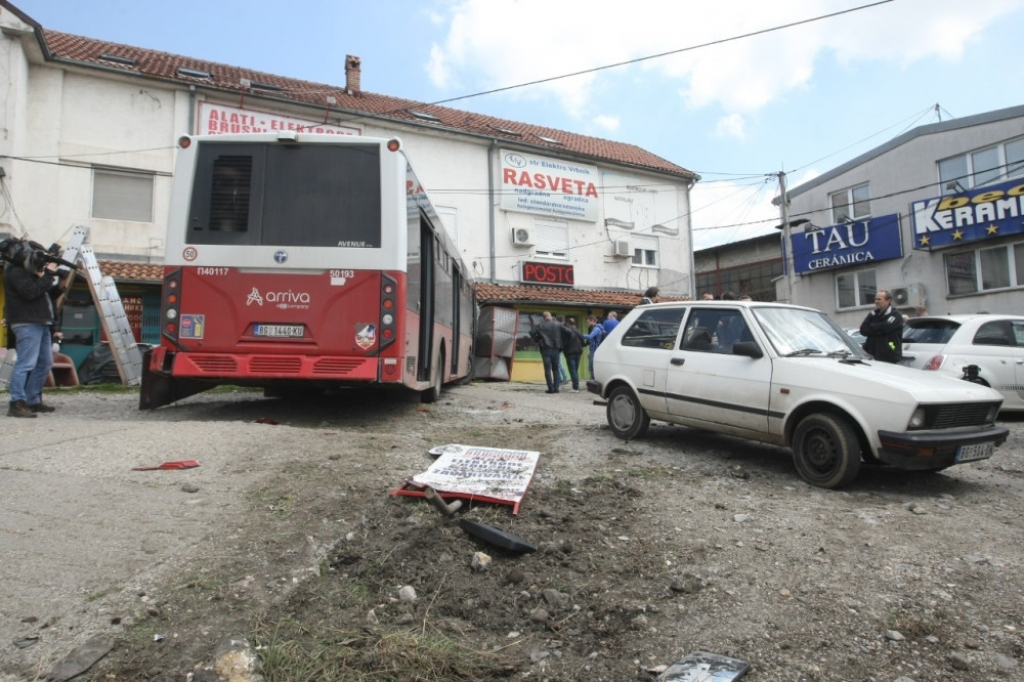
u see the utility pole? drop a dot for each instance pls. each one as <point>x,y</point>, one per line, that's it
<point>787,236</point>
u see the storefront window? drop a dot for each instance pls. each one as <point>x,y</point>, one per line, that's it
<point>969,272</point>
<point>856,289</point>
<point>995,268</point>
<point>961,275</point>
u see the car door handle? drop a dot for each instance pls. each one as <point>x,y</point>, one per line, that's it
<point>678,361</point>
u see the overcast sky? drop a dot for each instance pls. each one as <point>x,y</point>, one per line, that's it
<point>737,110</point>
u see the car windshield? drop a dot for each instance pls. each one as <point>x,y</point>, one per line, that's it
<point>795,331</point>
<point>929,331</point>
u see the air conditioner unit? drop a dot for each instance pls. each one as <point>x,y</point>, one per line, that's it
<point>909,296</point>
<point>521,237</point>
<point>622,248</point>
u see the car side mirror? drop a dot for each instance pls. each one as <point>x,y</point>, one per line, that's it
<point>747,348</point>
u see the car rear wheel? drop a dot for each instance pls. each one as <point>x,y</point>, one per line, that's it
<point>626,416</point>
<point>826,451</point>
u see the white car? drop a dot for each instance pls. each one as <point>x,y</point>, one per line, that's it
<point>949,344</point>
<point>790,376</point>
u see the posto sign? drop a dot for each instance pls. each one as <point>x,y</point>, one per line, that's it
<point>548,273</point>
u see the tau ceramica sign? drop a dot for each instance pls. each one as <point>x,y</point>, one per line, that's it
<point>539,184</point>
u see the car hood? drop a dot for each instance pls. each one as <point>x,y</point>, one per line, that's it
<point>866,378</point>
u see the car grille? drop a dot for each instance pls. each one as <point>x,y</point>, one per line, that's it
<point>960,414</point>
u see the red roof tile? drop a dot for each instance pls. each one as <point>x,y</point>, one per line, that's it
<point>227,79</point>
<point>141,273</point>
<point>493,294</point>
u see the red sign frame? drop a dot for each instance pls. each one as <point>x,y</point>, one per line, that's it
<point>552,274</point>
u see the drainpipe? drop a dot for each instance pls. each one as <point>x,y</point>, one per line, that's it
<point>191,108</point>
<point>491,208</point>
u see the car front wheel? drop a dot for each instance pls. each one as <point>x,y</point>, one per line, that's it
<point>626,416</point>
<point>826,451</point>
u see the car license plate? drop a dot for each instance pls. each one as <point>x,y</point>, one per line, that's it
<point>279,330</point>
<point>969,453</point>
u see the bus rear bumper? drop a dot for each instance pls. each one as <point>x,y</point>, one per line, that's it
<point>249,367</point>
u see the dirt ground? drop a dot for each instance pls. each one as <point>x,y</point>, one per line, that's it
<point>645,551</point>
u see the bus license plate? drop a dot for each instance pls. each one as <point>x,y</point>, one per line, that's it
<point>969,453</point>
<point>279,330</point>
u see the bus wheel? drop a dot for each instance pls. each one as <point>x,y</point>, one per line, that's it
<point>434,392</point>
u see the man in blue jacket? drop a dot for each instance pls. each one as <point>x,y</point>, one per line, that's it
<point>594,338</point>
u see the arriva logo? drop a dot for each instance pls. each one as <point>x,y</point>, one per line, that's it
<point>280,299</point>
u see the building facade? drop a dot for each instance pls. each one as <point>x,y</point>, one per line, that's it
<point>566,221</point>
<point>750,267</point>
<point>935,216</point>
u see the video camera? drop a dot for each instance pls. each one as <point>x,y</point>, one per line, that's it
<point>31,255</point>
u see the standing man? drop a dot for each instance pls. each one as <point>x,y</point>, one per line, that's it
<point>30,315</point>
<point>610,322</point>
<point>593,340</point>
<point>883,328</point>
<point>548,336</point>
<point>572,348</point>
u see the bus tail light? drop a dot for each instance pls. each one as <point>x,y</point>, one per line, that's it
<point>169,306</point>
<point>388,302</point>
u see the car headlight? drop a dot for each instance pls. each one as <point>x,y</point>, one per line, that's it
<point>993,412</point>
<point>917,419</point>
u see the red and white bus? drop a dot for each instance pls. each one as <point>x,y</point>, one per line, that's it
<point>297,261</point>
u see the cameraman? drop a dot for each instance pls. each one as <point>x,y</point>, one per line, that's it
<point>30,315</point>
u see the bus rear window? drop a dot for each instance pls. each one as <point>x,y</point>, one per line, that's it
<point>286,195</point>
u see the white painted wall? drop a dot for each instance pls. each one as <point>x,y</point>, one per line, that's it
<point>63,120</point>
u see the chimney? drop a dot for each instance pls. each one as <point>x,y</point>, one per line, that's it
<point>352,74</point>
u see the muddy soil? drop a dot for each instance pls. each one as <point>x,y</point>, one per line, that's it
<point>288,535</point>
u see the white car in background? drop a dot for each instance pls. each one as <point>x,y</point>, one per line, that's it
<point>948,344</point>
<point>790,376</point>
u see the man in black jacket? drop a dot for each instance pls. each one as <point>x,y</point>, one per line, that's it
<point>548,336</point>
<point>30,315</point>
<point>883,328</point>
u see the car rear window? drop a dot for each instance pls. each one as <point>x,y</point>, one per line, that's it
<point>656,328</point>
<point>929,331</point>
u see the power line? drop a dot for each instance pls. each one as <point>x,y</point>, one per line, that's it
<point>665,54</point>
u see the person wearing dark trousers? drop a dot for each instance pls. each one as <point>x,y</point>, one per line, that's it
<point>30,316</point>
<point>572,348</point>
<point>548,336</point>
<point>883,329</point>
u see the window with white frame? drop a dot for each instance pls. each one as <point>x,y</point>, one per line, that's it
<point>645,251</point>
<point>970,272</point>
<point>855,289</point>
<point>551,237</point>
<point>122,195</point>
<point>853,203</point>
<point>982,166</point>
